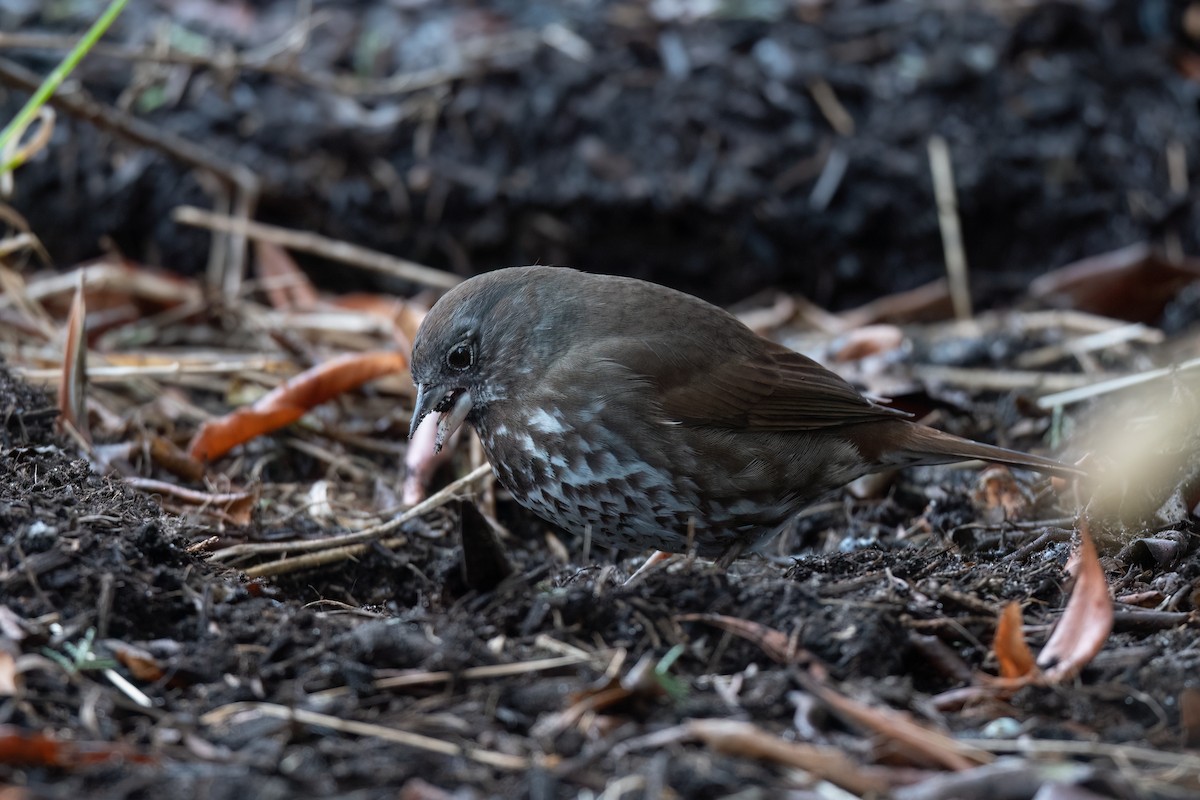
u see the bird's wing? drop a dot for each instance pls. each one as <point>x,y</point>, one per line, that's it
<point>756,386</point>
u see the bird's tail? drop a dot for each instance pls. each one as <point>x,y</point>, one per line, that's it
<point>915,444</point>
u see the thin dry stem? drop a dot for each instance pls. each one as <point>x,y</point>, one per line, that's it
<point>320,246</point>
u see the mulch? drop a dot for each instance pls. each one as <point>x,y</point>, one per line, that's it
<point>147,646</point>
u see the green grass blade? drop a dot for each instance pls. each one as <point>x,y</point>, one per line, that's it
<point>50,85</point>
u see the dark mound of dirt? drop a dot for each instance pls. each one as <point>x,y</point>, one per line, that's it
<point>764,146</point>
<point>249,688</point>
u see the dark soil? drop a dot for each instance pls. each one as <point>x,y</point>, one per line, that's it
<point>690,151</point>
<point>893,622</point>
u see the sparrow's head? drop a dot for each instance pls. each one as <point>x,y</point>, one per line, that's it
<point>483,338</point>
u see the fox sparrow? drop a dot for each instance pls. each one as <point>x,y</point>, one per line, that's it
<point>651,417</point>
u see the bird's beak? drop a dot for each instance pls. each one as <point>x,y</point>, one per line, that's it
<point>452,404</point>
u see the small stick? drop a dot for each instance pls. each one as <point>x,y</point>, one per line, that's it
<point>319,245</point>
<point>333,555</point>
<point>1082,321</point>
<point>948,222</point>
<point>120,374</point>
<point>1119,753</point>
<point>492,758</point>
<point>831,107</point>
<point>230,281</point>
<point>1177,176</point>
<point>1069,396</point>
<point>1002,380</point>
<point>423,678</point>
<point>829,180</point>
<point>366,535</point>
<point>1134,332</point>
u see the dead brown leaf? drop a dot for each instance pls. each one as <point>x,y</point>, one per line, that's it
<point>1134,283</point>
<point>21,747</point>
<point>72,388</point>
<point>285,284</point>
<point>1012,651</point>
<point>404,315</point>
<point>1189,715</point>
<point>167,455</point>
<point>141,664</point>
<point>999,495</point>
<point>1079,635</point>
<point>292,400</point>
<point>869,340</point>
<point>926,303</point>
<point>1087,621</point>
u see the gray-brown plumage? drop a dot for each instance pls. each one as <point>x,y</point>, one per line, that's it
<point>647,415</point>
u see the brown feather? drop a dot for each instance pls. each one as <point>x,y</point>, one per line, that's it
<point>769,388</point>
<point>904,443</point>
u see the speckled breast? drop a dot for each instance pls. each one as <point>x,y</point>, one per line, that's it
<point>564,475</point>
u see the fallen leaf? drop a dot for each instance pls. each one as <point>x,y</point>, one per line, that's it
<point>1012,651</point>
<point>1147,599</point>
<point>285,284</point>
<point>869,340</point>
<point>140,663</point>
<point>1133,283</point>
<point>292,400</point>
<point>1087,621</point>
<point>927,303</point>
<point>1079,635</point>
<point>21,747</point>
<point>27,748</point>
<point>72,387</point>
<point>999,495</point>
<point>167,455</point>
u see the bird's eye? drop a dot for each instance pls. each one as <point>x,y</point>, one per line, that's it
<point>460,357</point>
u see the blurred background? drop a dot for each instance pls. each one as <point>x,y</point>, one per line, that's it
<point>720,146</point>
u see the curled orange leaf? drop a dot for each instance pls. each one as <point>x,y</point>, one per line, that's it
<point>292,400</point>
<point>1012,651</point>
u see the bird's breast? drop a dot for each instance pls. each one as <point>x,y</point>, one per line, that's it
<point>583,474</point>
<point>639,484</point>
